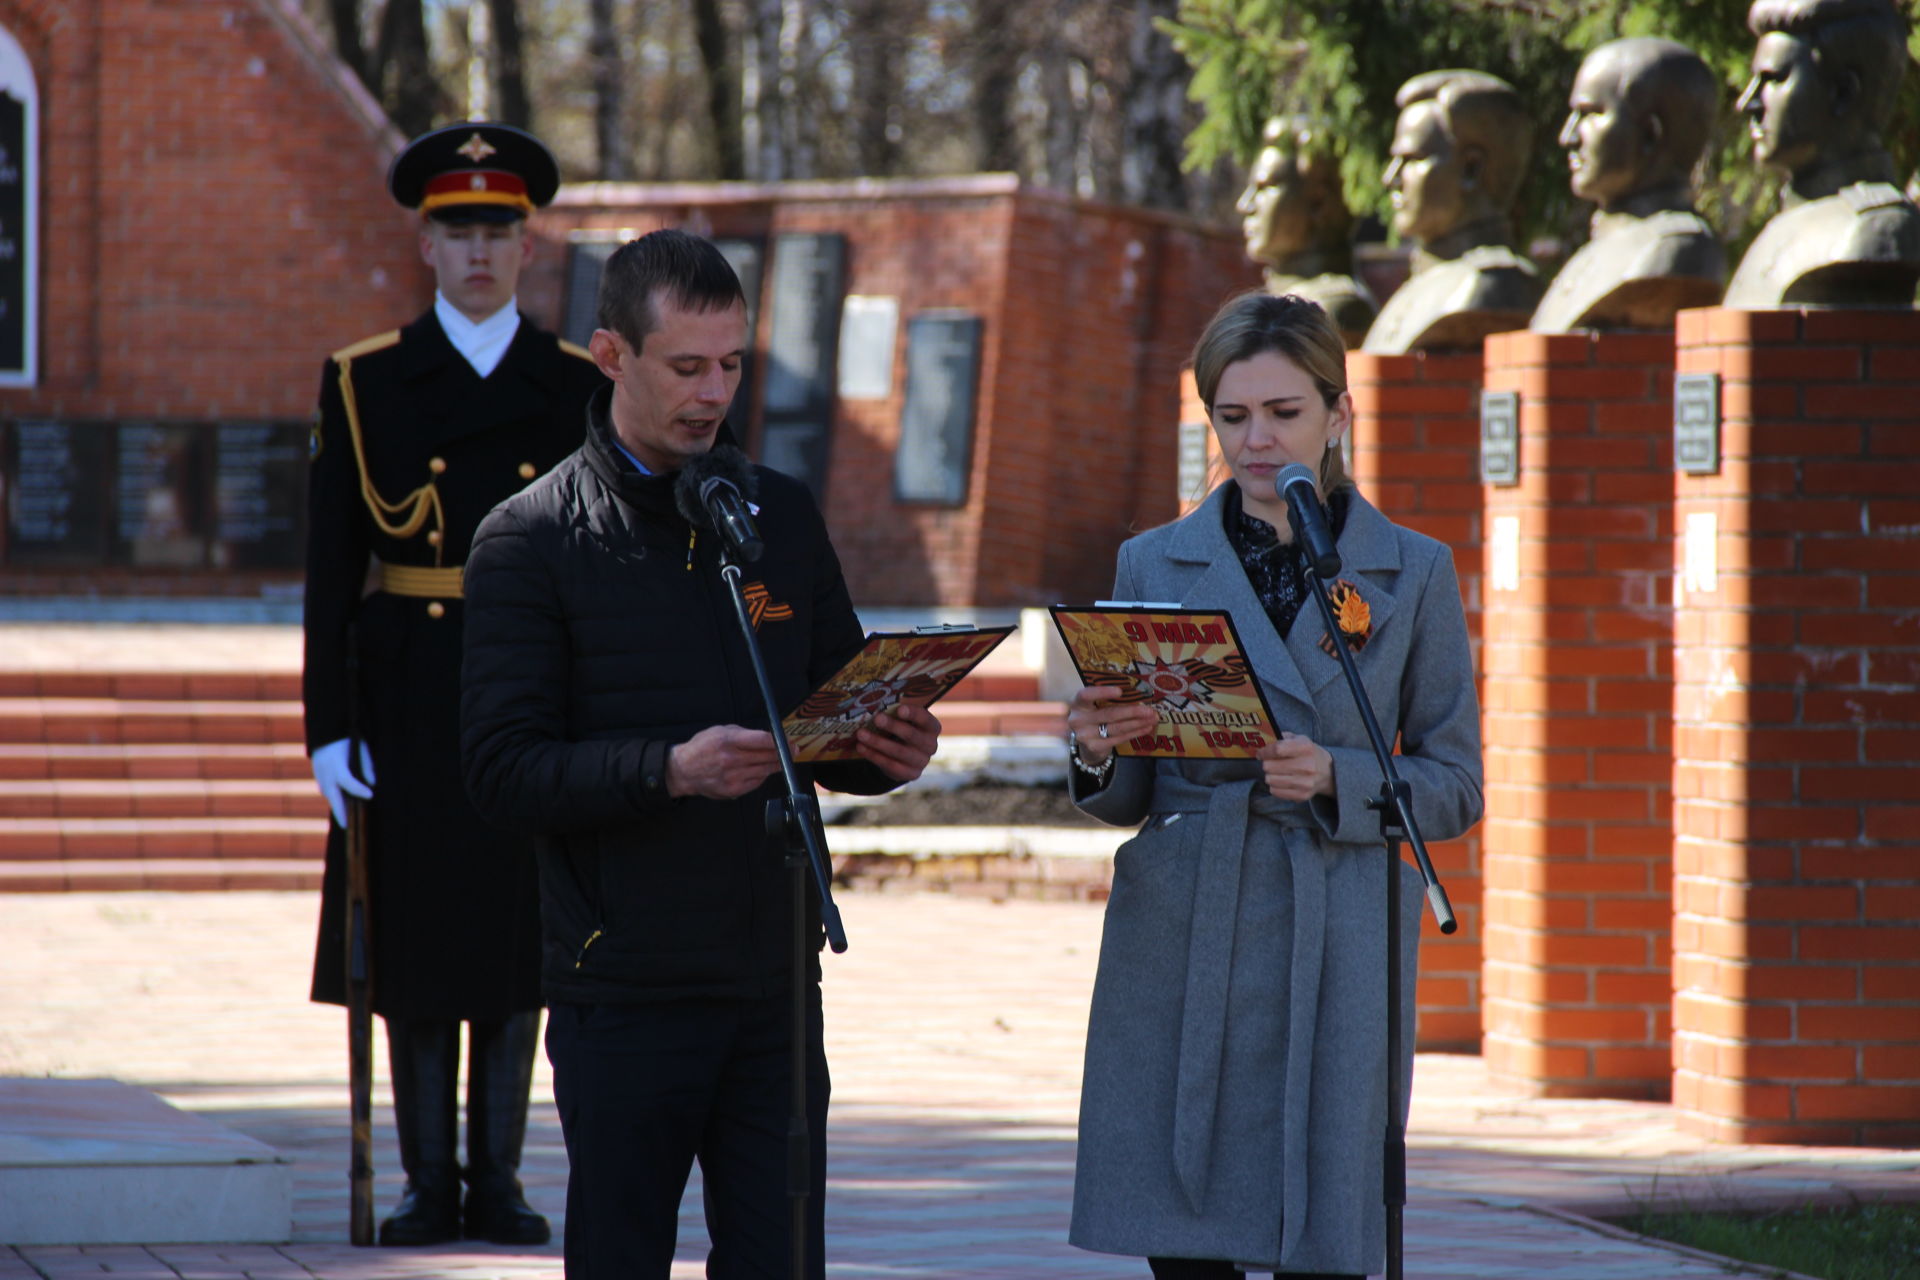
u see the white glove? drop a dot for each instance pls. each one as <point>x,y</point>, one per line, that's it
<point>336,784</point>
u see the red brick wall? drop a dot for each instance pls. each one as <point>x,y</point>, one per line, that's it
<point>1088,311</point>
<point>1577,672</point>
<point>213,211</point>
<point>1797,736</point>
<point>1416,455</point>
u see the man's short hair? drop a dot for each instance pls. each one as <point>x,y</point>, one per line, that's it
<point>685,269</point>
<point>1482,111</point>
<point>1865,37</point>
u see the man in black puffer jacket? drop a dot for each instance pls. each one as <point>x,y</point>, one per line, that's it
<point>610,709</point>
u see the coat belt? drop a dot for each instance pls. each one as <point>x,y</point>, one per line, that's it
<point>422,581</point>
<point>1216,900</point>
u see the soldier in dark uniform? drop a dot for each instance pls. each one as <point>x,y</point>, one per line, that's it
<point>420,432</point>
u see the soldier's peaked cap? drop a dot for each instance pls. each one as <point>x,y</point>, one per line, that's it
<point>474,172</point>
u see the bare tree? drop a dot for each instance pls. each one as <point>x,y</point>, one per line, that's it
<point>995,58</point>
<point>873,42</point>
<point>344,16</point>
<point>612,160</point>
<point>509,65</point>
<point>403,69</point>
<point>723,87</point>
<point>1155,112</point>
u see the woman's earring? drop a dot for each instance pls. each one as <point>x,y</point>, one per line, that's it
<point>1333,443</point>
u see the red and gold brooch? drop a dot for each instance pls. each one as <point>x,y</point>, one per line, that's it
<point>1352,615</point>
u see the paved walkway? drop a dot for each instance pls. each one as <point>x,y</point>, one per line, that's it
<point>955,1029</point>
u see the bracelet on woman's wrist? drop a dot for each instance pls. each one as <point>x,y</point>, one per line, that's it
<point>1098,772</point>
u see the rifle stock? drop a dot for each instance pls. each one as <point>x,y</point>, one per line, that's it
<point>359,974</point>
<point>359,1025</point>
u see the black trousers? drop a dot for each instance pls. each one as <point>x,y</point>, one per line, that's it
<point>646,1089</point>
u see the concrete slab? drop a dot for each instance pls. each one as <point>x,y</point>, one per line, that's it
<point>85,1162</point>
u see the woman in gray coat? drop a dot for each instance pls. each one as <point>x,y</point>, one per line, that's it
<point>1234,1098</point>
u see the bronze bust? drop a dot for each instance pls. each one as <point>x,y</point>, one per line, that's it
<point>1459,153</point>
<point>1297,225</point>
<point>1639,117</point>
<point>1825,73</point>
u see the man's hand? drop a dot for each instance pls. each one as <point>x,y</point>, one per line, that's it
<point>1297,768</point>
<point>899,741</point>
<point>336,783</point>
<point>721,763</point>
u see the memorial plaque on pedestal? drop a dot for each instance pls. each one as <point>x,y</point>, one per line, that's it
<point>586,259</point>
<point>57,476</point>
<point>936,425</point>
<point>160,496</point>
<point>1696,423</point>
<point>1500,437</point>
<point>259,495</point>
<point>1190,466</point>
<point>803,336</point>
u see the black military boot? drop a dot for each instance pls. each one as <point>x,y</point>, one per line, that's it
<point>499,1076</point>
<point>425,1055</point>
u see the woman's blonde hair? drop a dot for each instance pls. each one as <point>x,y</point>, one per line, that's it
<point>1298,328</point>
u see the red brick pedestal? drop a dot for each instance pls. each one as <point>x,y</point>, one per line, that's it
<point>1577,691</point>
<point>1796,767</point>
<point>1416,442</point>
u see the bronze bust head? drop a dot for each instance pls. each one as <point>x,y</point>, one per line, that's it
<point>1297,225</point>
<point>1459,154</point>
<point>1638,120</point>
<point>1825,73</point>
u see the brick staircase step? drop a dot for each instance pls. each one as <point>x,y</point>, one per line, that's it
<point>46,839</point>
<point>996,686</point>
<point>159,798</point>
<point>282,760</point>
<point>121,720</point>
<point>173,686</point>
<point>988,718</point>
<point>171,875</point>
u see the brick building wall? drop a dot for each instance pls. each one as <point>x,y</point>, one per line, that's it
<point>213,216</point>
<point>1087,310</point>
<point>1797,733</point>
<point>213,206</point>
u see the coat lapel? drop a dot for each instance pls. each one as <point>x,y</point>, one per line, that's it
<point>1368,548</point>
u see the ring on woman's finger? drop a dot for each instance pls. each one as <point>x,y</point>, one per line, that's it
<point>1103,728</point>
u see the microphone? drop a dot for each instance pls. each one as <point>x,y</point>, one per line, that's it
<point>712,492</point>
<point>1311,533</point>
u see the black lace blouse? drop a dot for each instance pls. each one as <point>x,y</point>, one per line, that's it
<point>1277,573</point>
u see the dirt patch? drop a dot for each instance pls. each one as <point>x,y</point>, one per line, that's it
<point>976,804</point>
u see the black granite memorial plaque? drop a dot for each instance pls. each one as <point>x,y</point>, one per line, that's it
<point>160,496</point>
<point>57,476</point>
<point>803,339</point>
<point>259,495</point>
<point>16,271</point>
<point>936,423</point>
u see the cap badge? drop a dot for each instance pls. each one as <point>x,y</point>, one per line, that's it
<point>478,182</point>
<point>476,148</point>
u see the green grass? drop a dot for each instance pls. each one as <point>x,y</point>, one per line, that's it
<point>1862,1242</point>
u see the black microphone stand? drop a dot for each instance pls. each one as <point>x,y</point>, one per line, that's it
<point>1395,807</point>
<point>794,820</point>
